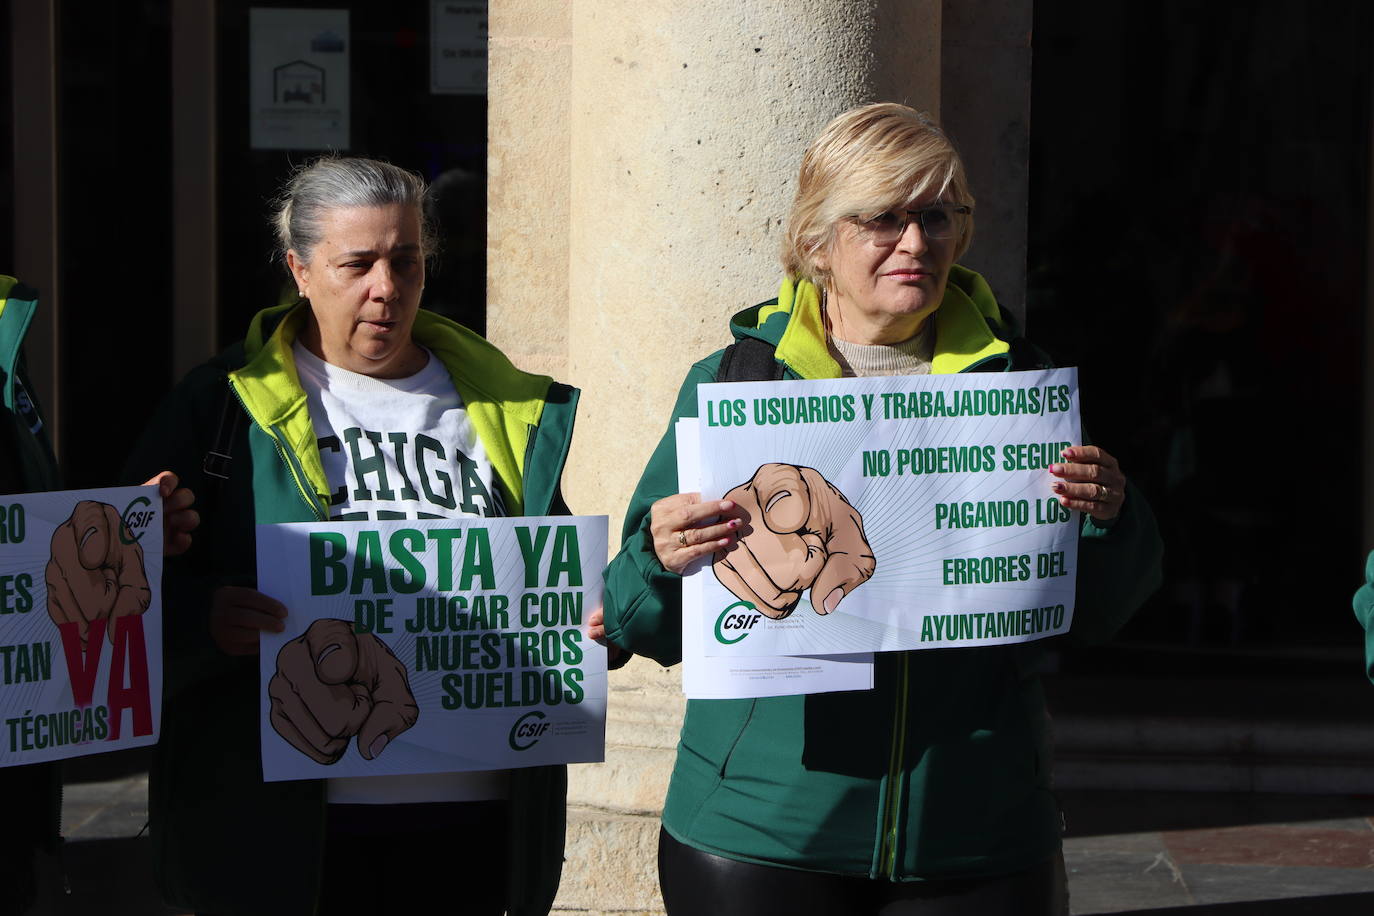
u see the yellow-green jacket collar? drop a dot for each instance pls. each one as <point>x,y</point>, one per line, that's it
<point>6,284</point>
<point>19,302</point>
<point>962,335</point>
<point>503,402</point>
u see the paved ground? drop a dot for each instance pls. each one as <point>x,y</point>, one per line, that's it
<point>1227,855</point>
<point>105,866</point>
<point>1160,854</point>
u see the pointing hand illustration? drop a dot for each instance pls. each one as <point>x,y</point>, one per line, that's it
<point>801,533</point>
<point>332,684</point>
<point>96,570</point>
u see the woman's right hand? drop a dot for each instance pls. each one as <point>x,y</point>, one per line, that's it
<point>238,615</point>
<point>684,528</point>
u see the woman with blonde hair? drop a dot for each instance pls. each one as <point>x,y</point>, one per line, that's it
<point>931,792</point>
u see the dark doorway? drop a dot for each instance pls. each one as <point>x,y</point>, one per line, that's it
<point>1198,237</point>
<point>118,237</point>
<point>114,218</point>
<point>393,117</point>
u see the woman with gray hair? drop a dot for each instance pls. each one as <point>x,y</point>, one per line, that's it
<point>350,403</point>
<point>930,793</point>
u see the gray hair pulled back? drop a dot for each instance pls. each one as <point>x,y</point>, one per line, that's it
<point>335,182</point>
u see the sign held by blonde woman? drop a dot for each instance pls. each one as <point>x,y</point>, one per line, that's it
<point>886,513</point>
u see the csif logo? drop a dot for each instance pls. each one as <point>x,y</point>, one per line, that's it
<point>731,623</point>
<point>136,516</point>
<point>527,730</point>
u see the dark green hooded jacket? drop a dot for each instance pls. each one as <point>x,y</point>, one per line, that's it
<point>32,794</point>
<point>222,838</point>
<point>27,464</point>
<point>1364,613</point>
<point>942,770</point>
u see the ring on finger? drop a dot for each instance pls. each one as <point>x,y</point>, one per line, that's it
<point>682,538</point>
<point>1103,493</point>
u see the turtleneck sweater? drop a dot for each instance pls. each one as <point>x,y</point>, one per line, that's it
<point>909,357</point>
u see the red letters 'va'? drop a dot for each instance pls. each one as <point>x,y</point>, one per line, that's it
<point>130,654</point>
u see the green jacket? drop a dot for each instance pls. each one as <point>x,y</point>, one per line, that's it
<point>27,464</point>
<point>1364,612</point>
<point>216,826</point>
<point>943,769</point>
<point>33,794</point>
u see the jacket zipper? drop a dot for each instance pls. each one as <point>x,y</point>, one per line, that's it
<point>298,475</point>
<point>892,805</point>
<point>887,855</point>
<point>289,459</point>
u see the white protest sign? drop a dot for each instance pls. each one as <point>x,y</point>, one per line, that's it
<point>708,678</point>
<point>901,512</point>
<point>80,622</point>
<point>439,645</point>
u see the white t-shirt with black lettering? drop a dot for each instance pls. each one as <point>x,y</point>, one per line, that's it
<point>400,448</point>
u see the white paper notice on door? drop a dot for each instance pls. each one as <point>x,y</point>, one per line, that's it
<point>298,79</point>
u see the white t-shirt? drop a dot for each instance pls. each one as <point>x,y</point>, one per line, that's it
<point>394,449</point>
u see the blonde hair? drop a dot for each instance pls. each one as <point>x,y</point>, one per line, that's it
<point>869,160</point>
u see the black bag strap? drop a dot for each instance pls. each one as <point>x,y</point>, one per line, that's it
<point>221,451</point>
<point>749,360</point>
<point>1022,353</point>
<point>1026,355</point>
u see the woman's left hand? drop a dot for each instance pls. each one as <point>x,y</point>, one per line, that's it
<point>1090,481</point>
<point>596,629</point>
<point>178,518</point>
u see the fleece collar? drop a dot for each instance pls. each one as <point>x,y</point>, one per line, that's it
<point>962,335</point>
<point>503,402</point>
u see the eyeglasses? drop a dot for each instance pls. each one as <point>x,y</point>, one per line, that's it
<point>941,221</point>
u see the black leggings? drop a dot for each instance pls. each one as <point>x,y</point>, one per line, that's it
<point>696,883</point>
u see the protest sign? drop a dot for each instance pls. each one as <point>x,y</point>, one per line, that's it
<point>80,622</point>
<point>709,678</point>
<point>901,512</point>
<point>440,645</point>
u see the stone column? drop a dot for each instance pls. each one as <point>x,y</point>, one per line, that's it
<point>642,160</point>
<point>529,68</point>
<point>642,157</point>
<point>688,123</point>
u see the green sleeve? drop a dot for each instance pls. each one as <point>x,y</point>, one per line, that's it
<point>1364,612</point>
<point>644,600</point>
<point>1119,566</point>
